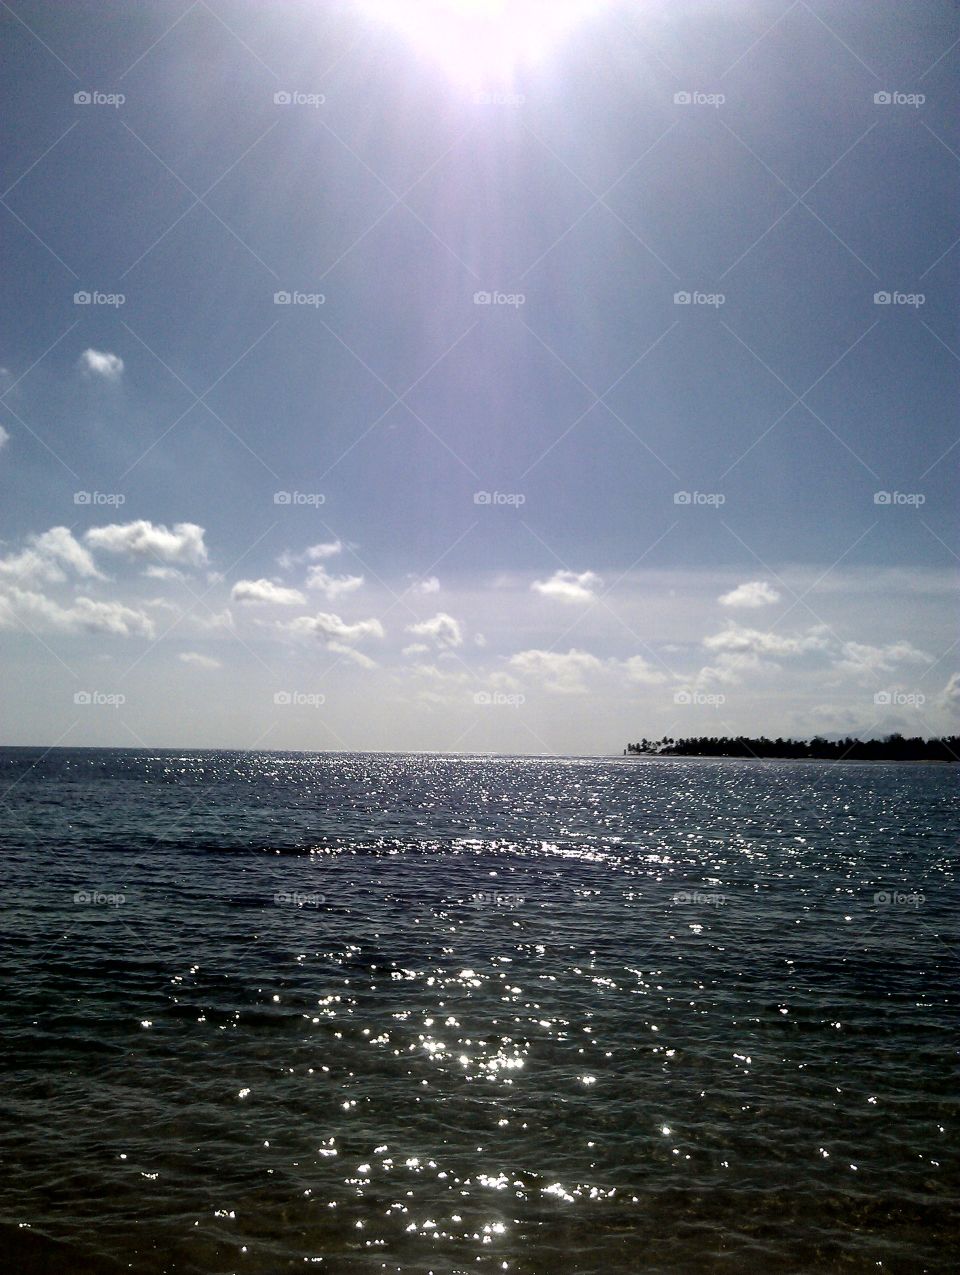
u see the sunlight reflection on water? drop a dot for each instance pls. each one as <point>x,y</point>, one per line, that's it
<point>659,1021</point>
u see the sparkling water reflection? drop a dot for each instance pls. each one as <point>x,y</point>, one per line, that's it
<point>406,1013</point>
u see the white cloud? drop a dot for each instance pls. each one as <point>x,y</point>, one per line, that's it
<point>430,585</point>
<point>198,660</point>
<point>951,693</point>
<point>441,629</point>
<point>163,573</point>
<point>59,543</point>
<point>329,549</point>
<point>314,553</point>
<point>739,640</point>
<point>862,660</point>
<point>561,673</point>
<point>331,627</point>
<point>741,650</point>
<point>215,620</point>
<point>4,436</point>
<point>144,539</point>
<point>100,363</point>
<point>731,667</point>
<point>45,557</point>
<point>357,657</point>
<point>255,592</point>
<point>84,615</point>
<point>569,586</point>
<point>416,648</point>
<point>640,670</point>
<point>332,586</point>
<point>755,593</point>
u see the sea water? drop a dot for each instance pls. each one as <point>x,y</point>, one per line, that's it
<point>276,1012</point>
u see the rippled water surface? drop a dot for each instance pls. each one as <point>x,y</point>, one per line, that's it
<point>276,1012</point>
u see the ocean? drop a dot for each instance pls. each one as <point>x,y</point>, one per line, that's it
<point>277,1012</point>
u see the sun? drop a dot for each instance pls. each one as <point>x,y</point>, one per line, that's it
<point>484,42</point>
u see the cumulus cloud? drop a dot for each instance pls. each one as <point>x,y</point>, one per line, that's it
<point>45,557</point>
<point>100,363</point>
<point>59,543</point>
<point>19,606</point>
<point>739,640</point>
<point>755,593</point>
<point>863,660</point>
<point>328,549</point>
<point>163,573</point>
<point>441,629</point>
<point>313,553</point>
<point>332,628</point>
<point>558,672</point>
<point>569,586</point>
<point>743,650</point>
<point>198,660</point>
<point>430,585</point>
<point>265,592</point>
<point>4,436</point>
<point>356,657</point>
<point>730,668</point>
<point>637,669</point>
<point>144,539</point>
<point>319,579</point>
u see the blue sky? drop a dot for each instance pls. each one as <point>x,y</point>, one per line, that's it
<point>490,480</point>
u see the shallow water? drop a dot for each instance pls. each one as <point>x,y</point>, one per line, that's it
<point>279,1012</point>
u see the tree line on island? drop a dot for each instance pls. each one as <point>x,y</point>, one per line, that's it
<point>890,748</point>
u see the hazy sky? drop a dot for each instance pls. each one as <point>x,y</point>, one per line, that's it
<point>614,392</point>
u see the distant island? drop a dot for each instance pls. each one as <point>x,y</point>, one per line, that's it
<point>890,748</point>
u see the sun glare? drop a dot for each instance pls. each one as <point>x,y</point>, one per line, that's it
<point>484,42</point>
